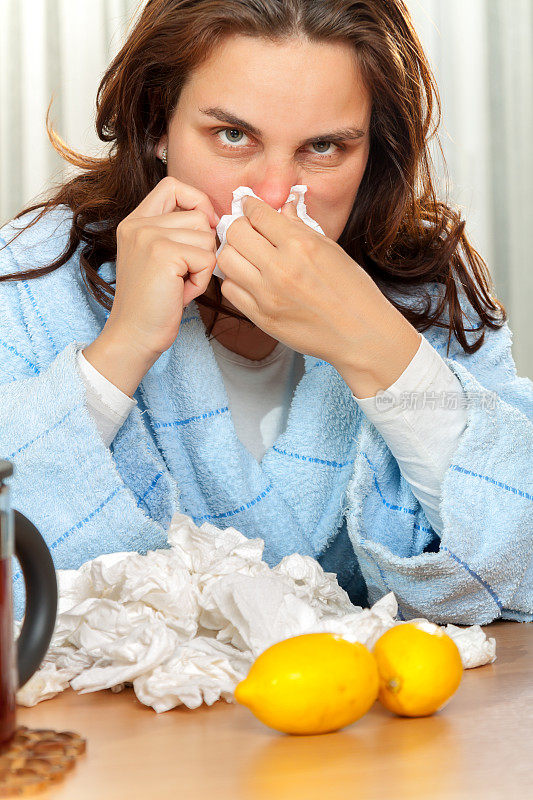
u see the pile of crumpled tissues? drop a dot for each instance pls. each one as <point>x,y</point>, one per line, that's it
<point>183,625</point>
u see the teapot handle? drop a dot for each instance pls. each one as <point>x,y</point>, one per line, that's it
<point>41,597</point>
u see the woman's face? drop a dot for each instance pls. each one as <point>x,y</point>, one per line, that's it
<point>287,98</point>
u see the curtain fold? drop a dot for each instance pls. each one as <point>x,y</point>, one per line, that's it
<point>482,56</point>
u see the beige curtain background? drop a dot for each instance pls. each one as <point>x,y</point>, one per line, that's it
<point>481,52</point>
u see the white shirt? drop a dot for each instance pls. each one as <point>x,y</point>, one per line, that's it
<point>422,438</point>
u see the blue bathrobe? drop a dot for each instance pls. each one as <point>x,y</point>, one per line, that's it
<point>329,487</point>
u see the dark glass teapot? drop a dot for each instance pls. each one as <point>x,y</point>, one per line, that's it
<point>20,659</point>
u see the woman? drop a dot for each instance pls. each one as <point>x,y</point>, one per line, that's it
<point>117,407</point>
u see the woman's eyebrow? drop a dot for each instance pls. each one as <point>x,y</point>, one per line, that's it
<point>226,116</point>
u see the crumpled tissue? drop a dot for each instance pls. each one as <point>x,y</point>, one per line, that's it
<point>297,193</point>
<point>184,624</point>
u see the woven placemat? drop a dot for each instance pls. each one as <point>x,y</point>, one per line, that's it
<point>34,759</point>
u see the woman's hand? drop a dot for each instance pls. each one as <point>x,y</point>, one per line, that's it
<point>169,236</point>
<point>303,289</point>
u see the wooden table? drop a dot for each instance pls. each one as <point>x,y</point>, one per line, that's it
<point>478,746</point>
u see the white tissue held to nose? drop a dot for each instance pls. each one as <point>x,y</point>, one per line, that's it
<point>297,192</point>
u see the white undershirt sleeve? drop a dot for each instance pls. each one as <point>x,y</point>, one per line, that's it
<point>108,405</point>
<point>421,416</point>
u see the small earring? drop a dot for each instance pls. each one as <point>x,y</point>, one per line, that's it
<point>164,155</point>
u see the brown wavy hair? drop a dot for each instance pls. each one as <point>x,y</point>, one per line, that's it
<point>397,231</point>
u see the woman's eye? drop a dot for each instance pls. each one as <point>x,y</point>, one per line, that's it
<point>231,131</point>
<point>330,144</point>
<point>232,138</point>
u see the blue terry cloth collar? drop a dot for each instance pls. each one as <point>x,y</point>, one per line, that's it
<point>296,492</point>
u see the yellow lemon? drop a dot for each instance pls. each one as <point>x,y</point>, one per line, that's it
<point>418,671</point>
<point>312,683</point>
